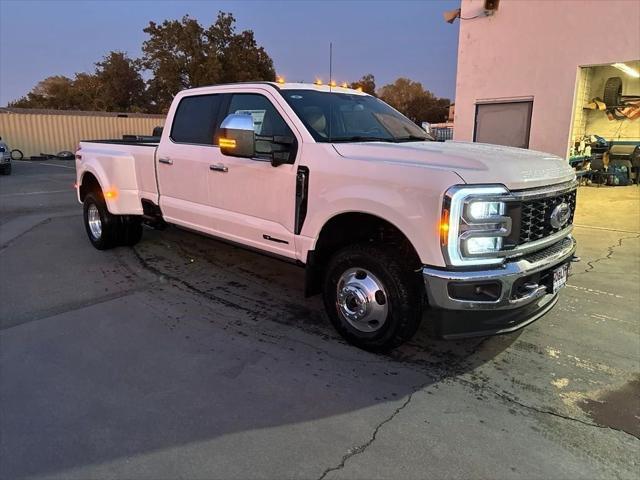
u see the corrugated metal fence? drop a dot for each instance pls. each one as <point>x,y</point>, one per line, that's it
<point>52,131</point>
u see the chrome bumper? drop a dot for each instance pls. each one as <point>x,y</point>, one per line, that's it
<point>437,281</point>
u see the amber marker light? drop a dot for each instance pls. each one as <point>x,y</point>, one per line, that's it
<point>280,80</point>
<point>332,83</point>
<point>444,227</point>
<point>227,143</point>
<point>359,89</point>
<point>111,194</point>
<point>318,82</point>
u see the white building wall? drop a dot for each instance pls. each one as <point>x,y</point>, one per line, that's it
<point>533,49</point>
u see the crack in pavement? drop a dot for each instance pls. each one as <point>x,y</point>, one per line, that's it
<point>352,452</point>
<point>610,252</point>
<point>510,399</point>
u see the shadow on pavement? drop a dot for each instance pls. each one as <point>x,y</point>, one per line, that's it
<point>220,342</point>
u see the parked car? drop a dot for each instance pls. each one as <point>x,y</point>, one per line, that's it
<point>5,158</point>
<point>389,226</point>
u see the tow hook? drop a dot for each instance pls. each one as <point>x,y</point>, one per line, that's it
<point>575,259</point>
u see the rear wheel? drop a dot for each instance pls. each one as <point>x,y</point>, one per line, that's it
<point>372,298</point>
<point>130,230</point>
<point>101,226</point>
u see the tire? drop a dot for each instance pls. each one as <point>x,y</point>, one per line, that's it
<point>612,92</point>
<point>395,297</point>
<point>65,155</point>
<point>104,234</point>
<point>16,154</point>
<point>130,230</point>
<point>6,170</point>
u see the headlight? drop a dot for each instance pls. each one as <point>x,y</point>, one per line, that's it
<point>482,210</point>
<point>482,245</point>
<point>474,225</point>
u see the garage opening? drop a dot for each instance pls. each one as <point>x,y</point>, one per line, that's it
<point>605,130</point>
<point>503,123</point>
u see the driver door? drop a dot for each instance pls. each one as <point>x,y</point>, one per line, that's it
<point>255,201</point>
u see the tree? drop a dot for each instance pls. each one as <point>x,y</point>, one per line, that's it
<point>367,83</point>
<point>54,92</point>
<point>414,101</point>
<point>116,85</point>
<point>120,87</point>
<point>183,54</point>
<point>86,92</point>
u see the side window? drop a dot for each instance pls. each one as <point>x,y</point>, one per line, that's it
<point>195,119</point>
<point>266,119</point>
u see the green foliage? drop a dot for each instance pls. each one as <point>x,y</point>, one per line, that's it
<point>414,101</point>
<point>115,86</point>
<point>177,54</point>
<point>367,83</point>
<point>119,84</point>
<point>183,54</point>
<point>180,54</point>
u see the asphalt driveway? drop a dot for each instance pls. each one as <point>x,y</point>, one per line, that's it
<point>185,357</point>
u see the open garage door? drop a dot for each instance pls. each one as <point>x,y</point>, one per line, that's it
<point>507,123</point>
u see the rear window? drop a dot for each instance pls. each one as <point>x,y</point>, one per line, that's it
<point>195,119</point>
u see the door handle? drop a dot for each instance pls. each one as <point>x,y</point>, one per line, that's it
<point>166,161</point>
<point>219,167</point>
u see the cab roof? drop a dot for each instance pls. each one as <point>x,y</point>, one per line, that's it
<point>285,86</point>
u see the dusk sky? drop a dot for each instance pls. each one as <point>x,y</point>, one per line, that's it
<point>387,38</point>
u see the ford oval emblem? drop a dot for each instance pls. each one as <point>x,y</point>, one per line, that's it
<point>560,215</point>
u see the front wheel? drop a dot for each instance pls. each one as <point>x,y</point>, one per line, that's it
<point>372,298</point>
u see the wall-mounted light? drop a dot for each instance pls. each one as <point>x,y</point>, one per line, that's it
<point>632,72</point>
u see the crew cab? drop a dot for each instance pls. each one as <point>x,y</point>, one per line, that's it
<point>390,226</point>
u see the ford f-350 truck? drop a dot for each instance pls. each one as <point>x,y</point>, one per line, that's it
<point>391,227</point>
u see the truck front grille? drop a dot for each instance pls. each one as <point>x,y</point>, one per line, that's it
<point>535,216</point>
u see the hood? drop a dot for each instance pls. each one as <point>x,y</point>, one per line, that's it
<point>516,168</point>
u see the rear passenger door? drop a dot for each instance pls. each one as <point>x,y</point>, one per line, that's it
<point>183,160</point>
<point>255,201</point>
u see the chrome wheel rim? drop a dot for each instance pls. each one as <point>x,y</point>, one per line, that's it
<point>362,300</point>
<point>95,222</point>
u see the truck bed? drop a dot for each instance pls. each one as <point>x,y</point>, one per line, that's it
<point>127,166</point>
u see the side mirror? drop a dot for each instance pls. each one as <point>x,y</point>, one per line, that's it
<point>237,137</point>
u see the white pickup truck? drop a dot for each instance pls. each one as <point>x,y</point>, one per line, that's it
<point>390,226</point>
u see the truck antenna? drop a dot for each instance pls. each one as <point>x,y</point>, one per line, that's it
<point>330,83</point>
<point>330,65</point>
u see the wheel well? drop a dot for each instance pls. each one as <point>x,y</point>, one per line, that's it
<point>350,228</point>
<point>89,184</point>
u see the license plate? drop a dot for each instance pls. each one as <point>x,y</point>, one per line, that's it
<point>560,277</point>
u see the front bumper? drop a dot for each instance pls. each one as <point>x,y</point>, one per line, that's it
<point>501,300</point>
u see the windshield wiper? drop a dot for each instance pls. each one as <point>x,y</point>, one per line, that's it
<point>361,138</point>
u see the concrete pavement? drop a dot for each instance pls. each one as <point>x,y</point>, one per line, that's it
<point>185,357</point>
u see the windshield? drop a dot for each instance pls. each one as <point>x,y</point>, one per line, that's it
<point>343,117</point>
